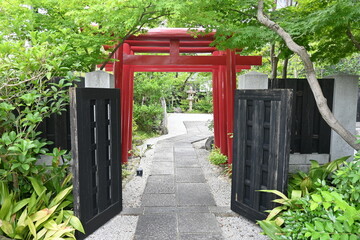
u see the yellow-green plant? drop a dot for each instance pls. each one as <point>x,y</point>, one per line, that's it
<point>41,216</point>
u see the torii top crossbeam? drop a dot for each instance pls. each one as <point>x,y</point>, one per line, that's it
<point>181,51</point>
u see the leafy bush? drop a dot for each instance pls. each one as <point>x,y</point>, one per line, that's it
<point>216,157</point>
<point>35,200</point>
<point>204,105</point>
<point>328,212</point>
<point>148,118</point>
<point>347,181</point>
<point>41,216</point>
<point>305,181</point>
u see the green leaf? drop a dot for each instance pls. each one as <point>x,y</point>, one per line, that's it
<point>319,226</point>
<point>339,227</point>
<point>31,226</point>
<point>296,194</point>
<point>75,222</point>
<point>274,212</point>
<point>25,166</point>
<point>354,237</point>
<point>19,205</point>
<point>280,194</point>
<point>37,185</point>
<point>329,227</point>
<point>326,205</point>
<point>270,229</point>
<point>7,227</point>
<point>60,196</point>
<point>317,198</point>
<point>344,237</point>
<point>313,206</point>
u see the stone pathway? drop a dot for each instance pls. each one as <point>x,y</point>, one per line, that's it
<point>177,202</point>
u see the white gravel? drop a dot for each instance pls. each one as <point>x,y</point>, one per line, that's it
<point>233,228</point>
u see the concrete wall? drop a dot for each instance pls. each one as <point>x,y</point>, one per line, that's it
<point>253,80</point>
<point>344,110</point>
<point>99,79</point>
<point>301,162</point>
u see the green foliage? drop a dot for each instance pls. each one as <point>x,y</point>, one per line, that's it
<point>216,157</point>
<point>205,104</point>
<point>148,118</point>
<point>347,181</point>
<point>328,212</point>
<point>40,216</point>
<point>76,27</point>
<point>306,181</point>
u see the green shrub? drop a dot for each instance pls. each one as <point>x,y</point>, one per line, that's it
<point>216,157</point>
<point>330,211</point>
<point>347,181</point>
<point>305,181</point>
<point>204,105</point>
<point>148,118</point>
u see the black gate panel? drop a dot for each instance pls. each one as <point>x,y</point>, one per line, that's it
<point>95,125</point>
<point>310,133</point>
<point>261,149</point>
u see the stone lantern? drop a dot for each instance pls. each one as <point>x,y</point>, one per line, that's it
<point>191,94</point>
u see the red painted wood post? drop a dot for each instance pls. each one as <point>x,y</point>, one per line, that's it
<point>118,67</point>
<point>215,83</point>
<point>230,91</point>
<point>222,108</point>
<point>125,110</point>
<point>131,107</point>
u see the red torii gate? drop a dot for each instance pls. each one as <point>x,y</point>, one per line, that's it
<point>222,64</point>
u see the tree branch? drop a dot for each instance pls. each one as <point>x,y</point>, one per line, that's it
<point>320,100</point>
<point>132,31</point>
<point>352,38</point>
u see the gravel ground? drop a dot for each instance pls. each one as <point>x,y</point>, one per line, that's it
<point>122,227</point>
<point>233,228</point>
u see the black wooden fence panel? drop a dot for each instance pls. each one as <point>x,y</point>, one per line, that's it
<point>309,133</point>
<point>261,149</point>
<point>95,124</point>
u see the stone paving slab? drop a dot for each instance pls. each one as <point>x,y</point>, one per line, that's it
<point>161,210</point>
<point>189,175</point>
<point>197,223</point>
<point>166,153</point>
<point>132,211</point>
<point>201,236</point>
<point>194,194</point>
<point>161,168</point>
<point>160,184</point>
<point>186,162</point>
<point>184,150</point>
<point>158,200</point>
<point>176,201</point>
<point>156,226</point>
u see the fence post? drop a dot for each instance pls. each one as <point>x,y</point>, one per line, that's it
<point>253,80</point>
<point>344,110</point>
<point>99,79</point>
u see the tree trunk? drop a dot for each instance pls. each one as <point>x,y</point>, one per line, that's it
<point>285,68</point>
<point>321,101</point>
<point>274,62</point>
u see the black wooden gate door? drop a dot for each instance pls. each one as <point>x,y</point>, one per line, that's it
<point>261,149</point>
<point>95,127</point>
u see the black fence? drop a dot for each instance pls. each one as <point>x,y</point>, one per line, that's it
<point>95,127</point>
<point>261,149</point>
<point>309,133</point>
